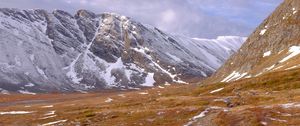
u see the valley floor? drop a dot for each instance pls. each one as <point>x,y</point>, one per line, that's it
<point>272,99</point>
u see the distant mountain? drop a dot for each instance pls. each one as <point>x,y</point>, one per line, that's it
<point>42,52</point>
<point>274,46</point>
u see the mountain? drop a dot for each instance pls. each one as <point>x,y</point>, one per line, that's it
<point>274,46</point>
<point>55,51</point>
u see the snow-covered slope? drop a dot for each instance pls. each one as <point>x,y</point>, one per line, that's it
<point>42,51</point>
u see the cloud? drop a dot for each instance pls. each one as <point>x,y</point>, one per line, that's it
<point>168,16</point>
<point>194,18</point>
<point>69,1</point>
<point>83,1</point>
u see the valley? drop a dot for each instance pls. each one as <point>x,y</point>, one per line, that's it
<point>107,69</point>
<point>271,99</point>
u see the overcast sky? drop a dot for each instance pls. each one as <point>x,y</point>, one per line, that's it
<point>193,18</point>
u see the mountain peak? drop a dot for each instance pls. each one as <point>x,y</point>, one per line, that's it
<point>85,14</point>
<point>58,51</point>
<point>62,12</point>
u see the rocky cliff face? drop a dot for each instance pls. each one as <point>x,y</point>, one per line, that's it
<point>274,46</point>
<point>42,51</point>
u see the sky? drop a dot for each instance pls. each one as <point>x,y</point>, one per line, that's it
<point>192,18</point>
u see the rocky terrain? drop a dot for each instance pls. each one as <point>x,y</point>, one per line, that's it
<point>274,46</point>
<point>55,51</point>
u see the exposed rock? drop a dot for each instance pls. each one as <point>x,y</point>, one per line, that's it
<point>60,52</point>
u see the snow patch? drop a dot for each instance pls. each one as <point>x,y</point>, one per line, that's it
<point>49,113</point>
<point>167,84</point>
<point>26,92</point>
<point>149,80</point>
<point>270,68</point>
<point>173,76</point>
<point>47,106</point>
<point>262,32</point>
<point>47,117</point>
<point>41,72</point>
<point>293,67</point>
<point>72,73</point>
<point>204,74</point>
<point>108,100</point>
<point>121,95</point>
<point>274,119</point>
<point>201,115</point>
<point>249,76</point>
<point>294,11</point>
<point>53,123</point>
<point>264,123</point>
<point>134,32</point>
<point>217,90</point>
<point>278,67</point>
<point>110,80</point>
<point>143,93</point>
<point>267,54</point>
<point>16,112</point>
<point>123,18</point>
<point>160,113</point>
<point>294,51</point>
<point>161,87</point>
<point>290,105</point>
<point>30,85</point>
<point>258,74</point>
<point>27,106</point>
<point>234,76</point>
<point>283,17</point>
<point>5,92</point>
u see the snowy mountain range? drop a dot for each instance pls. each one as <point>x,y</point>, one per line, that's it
<point>55,51</point>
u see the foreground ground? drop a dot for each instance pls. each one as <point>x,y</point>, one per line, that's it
<point>272,99</point>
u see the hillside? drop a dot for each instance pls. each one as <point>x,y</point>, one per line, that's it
<point>273,46</point>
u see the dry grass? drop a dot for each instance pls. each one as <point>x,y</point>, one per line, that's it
<point>251,102</point>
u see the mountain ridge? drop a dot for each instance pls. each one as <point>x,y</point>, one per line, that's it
<point>88,51</point>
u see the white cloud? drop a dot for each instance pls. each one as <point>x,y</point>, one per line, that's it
<point>194,18</point>
<point>168,16</point>
<point>68,1</point>
<point>83,1</point>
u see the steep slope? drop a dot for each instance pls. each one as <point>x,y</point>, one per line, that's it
<point>42,51</point>
<point>274,46</point>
